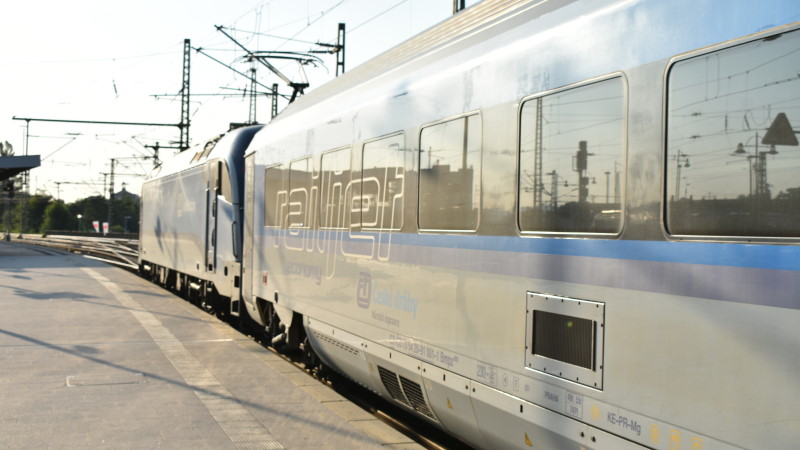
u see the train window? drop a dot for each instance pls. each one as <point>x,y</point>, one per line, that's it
<point>300,195</point>
<point>206,150</point>
<point>571,154</point>
<point>274,197</point>
<point>335,173</point>
<point>450,175</point>
<point>213,169</point>
<point>382,181</point>
<point>225,182</point>
<point>210,146</point>
<point>732,158</point>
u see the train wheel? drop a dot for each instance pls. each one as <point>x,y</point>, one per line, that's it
<point>178,286</point>
<point>194,291</point>
<point>210,299</point>
<point>311,360</point>
<point>247,325</point>
<point>275,332</point>
<point>169,278</point>
<point>152,275</point>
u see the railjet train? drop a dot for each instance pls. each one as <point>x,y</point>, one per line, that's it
<point>539,224</point>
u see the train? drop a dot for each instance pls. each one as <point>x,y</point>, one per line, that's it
<point>539,224</point>
<point>190,235</point>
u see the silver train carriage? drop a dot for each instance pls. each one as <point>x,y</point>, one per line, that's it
<point>191,226</point>
<point>551,224</point>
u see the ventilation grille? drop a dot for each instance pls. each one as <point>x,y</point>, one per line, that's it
<point>413,392</point>
<point>405,391</point>
<point>391,384</point>
<point>338,344</point>
<point>564,338</point>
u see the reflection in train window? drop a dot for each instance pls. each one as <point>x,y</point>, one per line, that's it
<point>335,173</point>
<point>300,195</point>
<point>571,154</point>
<point>382,176</point>
<point>450,175</point>
<point>732,151</point>
<point>274,197</point>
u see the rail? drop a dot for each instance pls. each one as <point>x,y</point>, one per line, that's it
<point>117,251</point>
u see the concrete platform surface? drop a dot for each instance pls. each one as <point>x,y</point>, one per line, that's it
<point>92,356</point>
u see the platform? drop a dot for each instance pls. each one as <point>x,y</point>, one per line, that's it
<point>94,356</point>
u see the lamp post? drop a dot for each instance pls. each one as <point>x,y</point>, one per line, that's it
<point>554,185</point>
<point>758,167</point>
<point>126,223</point>
<point>79,222</point>
<point>780,132</point>
<point>682,160</point>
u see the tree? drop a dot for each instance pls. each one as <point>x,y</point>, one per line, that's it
<point>37,206</point>
<point>126,206</point>
<point>6,149</point>
<point>91,209</point>
<point>56,217</point>
<point>34,207</point>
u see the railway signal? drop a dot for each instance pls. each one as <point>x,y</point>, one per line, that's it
<point>8,187</point>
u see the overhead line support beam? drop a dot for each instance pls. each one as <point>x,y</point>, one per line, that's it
<point>340,49</point>
<point>184,125</point>
<point>98,122</point>
<point>298,88</point>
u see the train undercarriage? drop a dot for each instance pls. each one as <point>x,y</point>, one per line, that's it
<point>283,337</point>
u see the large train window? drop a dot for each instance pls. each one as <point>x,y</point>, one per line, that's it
<point>450,175</point>
<point>380,200</point>
<point>335,185</point>
<point>572,146</point>
<point>274,197</point>
<point>732,160</point>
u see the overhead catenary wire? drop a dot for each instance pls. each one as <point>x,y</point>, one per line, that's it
<point>71,140</point>
<point>202,52</point>
<point>323,14</point>
<point>257,33</point>
<point>376,16</point>
<point>256,15</point>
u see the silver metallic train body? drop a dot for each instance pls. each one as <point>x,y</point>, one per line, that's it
<point>496,224</point>
<point>191,227</point>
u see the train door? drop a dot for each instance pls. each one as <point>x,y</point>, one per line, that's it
<point>249,211</point>
<point>212,191</point>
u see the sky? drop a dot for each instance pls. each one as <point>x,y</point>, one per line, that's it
<point>102,60</point>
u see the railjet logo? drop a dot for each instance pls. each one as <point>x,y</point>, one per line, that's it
<point>364,289</point>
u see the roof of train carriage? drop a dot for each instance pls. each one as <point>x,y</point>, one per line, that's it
<point>477,19</point>
<point>477,22</point>
<point>196,155</point>
<point>181,161</point>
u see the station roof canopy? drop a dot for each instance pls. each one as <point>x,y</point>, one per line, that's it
<point>11,166</point>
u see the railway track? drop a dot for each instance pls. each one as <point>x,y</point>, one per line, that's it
<point>120,252</point>
<point>124,253</point>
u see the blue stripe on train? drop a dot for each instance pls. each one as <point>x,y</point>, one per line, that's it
<point>742,273</point>
<point>757,256</point>
<point>762,256</point>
